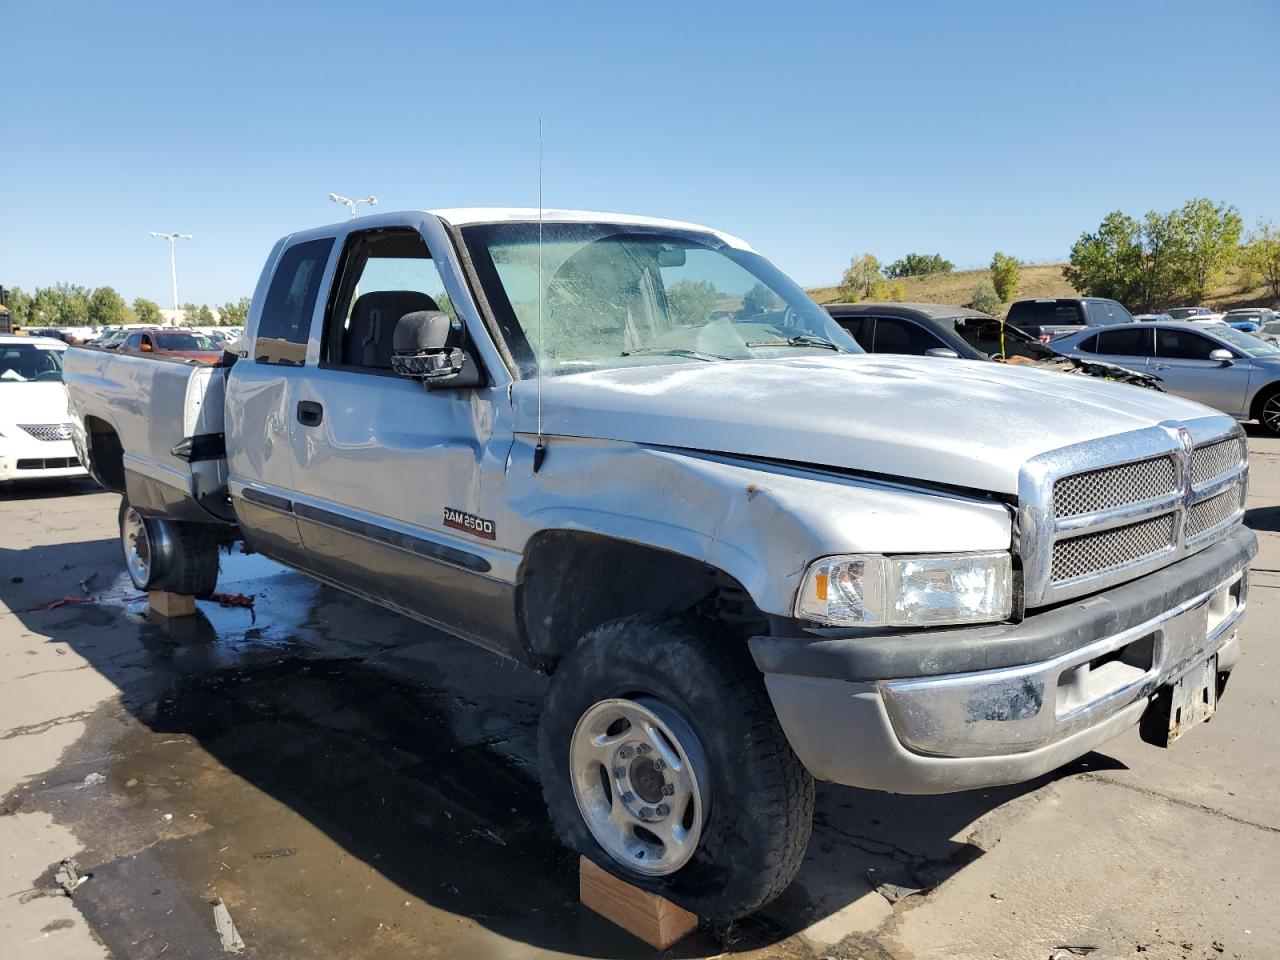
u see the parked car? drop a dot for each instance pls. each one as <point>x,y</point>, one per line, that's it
<point>1227,369</point>
<point>942,330</point>
<point>1250,319</point>
<point>1051,317</point>
<point>184,344</point>
<point>111,339</point>
<point>1148,317</point>
<point>35,434</point>
<point>1187,313</point>
<point>747,553</point>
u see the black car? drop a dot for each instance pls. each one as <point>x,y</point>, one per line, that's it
<point>1051,317</point>
<point>934,329</point>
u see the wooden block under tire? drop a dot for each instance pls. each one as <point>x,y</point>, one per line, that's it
<point>172,605</point>
<point>653,918</point>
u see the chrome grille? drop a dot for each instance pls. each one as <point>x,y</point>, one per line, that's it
<point>1092,553</point>
<point>48,431</point>
<point>1207,514</point>
<point>1214,459</point>
<point>1114,486</point>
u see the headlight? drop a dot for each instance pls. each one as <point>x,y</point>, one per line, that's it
<point>913,591</point>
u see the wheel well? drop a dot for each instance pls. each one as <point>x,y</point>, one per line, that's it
<point>571,582</point>
<point>106,455</point>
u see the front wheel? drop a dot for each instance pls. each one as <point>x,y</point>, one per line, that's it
<point>1269,413</point>
<point>165,555</point>
<point>662,761</point>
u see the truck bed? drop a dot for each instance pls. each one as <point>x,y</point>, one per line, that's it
<point>152,427</point>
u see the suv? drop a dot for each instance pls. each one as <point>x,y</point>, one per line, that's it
<point>1051,317</point>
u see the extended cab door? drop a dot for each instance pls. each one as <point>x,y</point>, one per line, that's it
<point>389,479</point>
<point>261,397</point>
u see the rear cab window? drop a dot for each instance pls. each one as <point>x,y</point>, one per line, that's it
<point>285,323</point>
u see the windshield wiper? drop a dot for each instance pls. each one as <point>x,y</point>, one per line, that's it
<point>672,352</point>
<point>800,340</point>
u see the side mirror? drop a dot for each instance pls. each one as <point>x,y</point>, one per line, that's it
<point>146,347</point>
<point>1222,356</point>
<point>942,352</point>
<point>427,346</point>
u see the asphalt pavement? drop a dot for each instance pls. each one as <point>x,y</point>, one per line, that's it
<point>335,781</point>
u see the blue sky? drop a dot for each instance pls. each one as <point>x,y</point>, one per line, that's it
<point>816,131</point>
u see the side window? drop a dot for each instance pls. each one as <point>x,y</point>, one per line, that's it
<point>1098,313</point>
<point>1088,344</point>
<point>132,341</point>
<point>291,300</point>
<point>383,275</point>
<point>1065,315</point>
<point>895,335</point>
<point>1129,341</point>
<point>1183,345</point>
<point>858,328</point>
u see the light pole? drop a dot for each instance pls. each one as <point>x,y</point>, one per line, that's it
<point>173,239</point>
<point>351,204</point>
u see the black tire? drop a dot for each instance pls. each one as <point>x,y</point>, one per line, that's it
<point>1270,424</point>
<point>191,566</point>
<point>760,809</point>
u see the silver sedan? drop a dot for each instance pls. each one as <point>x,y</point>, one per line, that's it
<point>1228,369</point>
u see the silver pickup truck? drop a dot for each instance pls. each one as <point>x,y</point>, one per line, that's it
<point>632,454</point>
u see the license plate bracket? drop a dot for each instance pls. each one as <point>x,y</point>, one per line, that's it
<point>1193,698</point>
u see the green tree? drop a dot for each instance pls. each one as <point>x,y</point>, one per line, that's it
<point>193,316</point>
<point>1006,274</point>
<point>898,292</point>
<point>1260,258</point>
<point>1210,238</point>
<point>862,272</point>
<point>62,305</point>
<point>1109,262</point>
<point>986,299</point>
<point>879,289</point>
<point>148,311</point>
<point>691,301</point>
<point>18,301</point>
<point>759,299</point>
<point>107,307</point>
<point>918,265</point>
<point>234,314</point>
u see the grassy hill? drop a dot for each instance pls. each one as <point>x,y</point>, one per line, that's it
<point>1038,280</point>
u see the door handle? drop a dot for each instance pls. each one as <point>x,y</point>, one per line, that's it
<point>1159,366</point>
<point>310,413</point>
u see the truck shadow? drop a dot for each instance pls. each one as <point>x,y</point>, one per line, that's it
<point>378,739</point>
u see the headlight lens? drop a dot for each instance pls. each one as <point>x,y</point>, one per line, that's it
<point>912,591</point>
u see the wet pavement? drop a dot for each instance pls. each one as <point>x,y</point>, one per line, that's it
<point>349,783</point>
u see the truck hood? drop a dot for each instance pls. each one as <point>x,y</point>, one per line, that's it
<point>41,401</point>
<point>958,422</point>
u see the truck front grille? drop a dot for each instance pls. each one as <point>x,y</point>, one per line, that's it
<point>1212,460</point>
<point>47,463</point>
<point>1095,553</point>
<point>1214,512</point>
<point>1114,486</point>
<point>48,431</point>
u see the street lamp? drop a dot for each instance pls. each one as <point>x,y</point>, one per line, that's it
<point>173,238</point>
<point>351,204</point>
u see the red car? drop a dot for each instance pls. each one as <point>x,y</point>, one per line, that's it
<point>186,344</point>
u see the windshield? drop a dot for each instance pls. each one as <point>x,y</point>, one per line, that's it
<point>26,362</point>
<point>183,341</point>
<point>615,296</point>
<point>1246,343</point>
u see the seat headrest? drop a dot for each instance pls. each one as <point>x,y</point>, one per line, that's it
<point>370,334</point>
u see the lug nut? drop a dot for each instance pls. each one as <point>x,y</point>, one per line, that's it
<point>663,809</point>
<point>658,764</point>
<point>668,789</point>
<point>624,752</point>
<point>646,813</point>
<point>642,748</point>
<point>619,772</point>
<point>628,797</point>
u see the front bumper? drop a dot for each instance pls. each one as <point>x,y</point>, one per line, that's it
<point>945,710</point>
<point>26,458</point>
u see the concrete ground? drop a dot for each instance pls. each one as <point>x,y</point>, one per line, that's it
<point>349,784</point>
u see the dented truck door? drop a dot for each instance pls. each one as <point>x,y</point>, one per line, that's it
<point>387,474</point>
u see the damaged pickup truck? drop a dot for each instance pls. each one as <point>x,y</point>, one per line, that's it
<point>632,454</point>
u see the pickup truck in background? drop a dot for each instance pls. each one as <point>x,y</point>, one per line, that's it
<point>1051,317</point>
<point>632,454</point>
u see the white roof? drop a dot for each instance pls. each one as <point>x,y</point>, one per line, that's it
<point>23,338</point>
<point>461,216</point>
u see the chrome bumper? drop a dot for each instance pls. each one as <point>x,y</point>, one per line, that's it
<point>1012,710</point>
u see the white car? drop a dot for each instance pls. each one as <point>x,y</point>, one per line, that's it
<point>35,435</point>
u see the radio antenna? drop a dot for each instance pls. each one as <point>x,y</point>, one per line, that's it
<point>539,451</point>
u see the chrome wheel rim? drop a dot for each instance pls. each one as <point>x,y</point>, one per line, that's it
<point>1271,414</point>
<point>639,777</point>
<point>137,548</point>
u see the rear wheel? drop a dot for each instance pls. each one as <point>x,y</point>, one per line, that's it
<point>663,762</point>
<point>165,555</point>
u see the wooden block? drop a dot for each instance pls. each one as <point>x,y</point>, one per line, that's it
<point>172,604</point>
<point>653,918</point>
